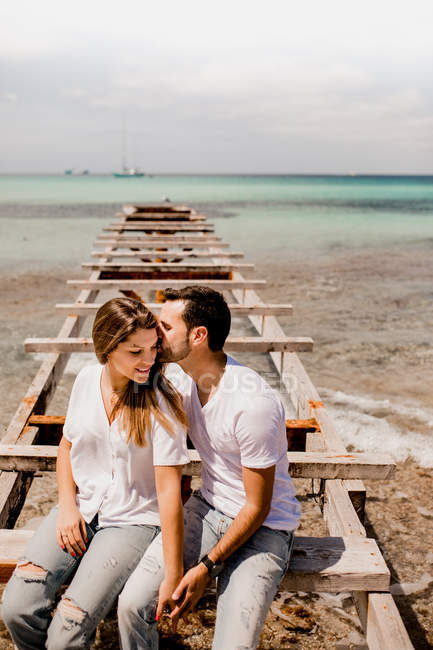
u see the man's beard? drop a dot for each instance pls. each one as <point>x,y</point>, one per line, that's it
<point>170,355</point>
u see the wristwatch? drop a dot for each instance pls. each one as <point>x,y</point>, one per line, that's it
<point>213,568</point>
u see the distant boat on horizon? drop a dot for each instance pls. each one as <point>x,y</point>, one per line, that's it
<point>76,172</point>
<point>127,172</point>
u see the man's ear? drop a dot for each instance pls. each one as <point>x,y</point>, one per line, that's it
<point>198,335</point>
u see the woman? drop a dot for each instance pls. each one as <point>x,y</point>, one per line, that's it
<point>118,474</point>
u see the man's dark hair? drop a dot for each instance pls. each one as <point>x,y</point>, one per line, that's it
<point>204,306</point>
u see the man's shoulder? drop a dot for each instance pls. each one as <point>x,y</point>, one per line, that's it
<point>245,387</point>
<point>181,381</point>
<point>247,381</point>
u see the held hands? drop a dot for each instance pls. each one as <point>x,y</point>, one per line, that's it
<point>71,530</point>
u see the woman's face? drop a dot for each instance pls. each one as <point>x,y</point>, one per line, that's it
<point>133,358</point>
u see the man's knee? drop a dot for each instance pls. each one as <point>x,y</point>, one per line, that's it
<point>136,604</point>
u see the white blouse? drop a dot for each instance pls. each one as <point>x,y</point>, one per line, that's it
<point>116,479</point>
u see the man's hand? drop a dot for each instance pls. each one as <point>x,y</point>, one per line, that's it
<point>189,591</point>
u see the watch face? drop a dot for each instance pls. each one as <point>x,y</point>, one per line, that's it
<point>216,570</point>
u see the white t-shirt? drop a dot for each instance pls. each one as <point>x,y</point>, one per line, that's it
<point>243,424</point>
<point>116,479</point>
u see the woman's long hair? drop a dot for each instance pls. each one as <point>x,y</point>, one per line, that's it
<point>114,322</point>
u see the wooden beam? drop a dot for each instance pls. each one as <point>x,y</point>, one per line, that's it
<point>158,226</point>
<point>158,285</point>
<point>173,252</point>
<point>318,563</point>
<point>164,266</point>
<point>157,208</point>
<point>328,563</point>
<point>236,309</point>
<point>33,458</point>
<point>156,242</point>
<point>233,344</point>
<point>381,621</point>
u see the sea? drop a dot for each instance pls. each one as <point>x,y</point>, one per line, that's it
<point>50,221</point>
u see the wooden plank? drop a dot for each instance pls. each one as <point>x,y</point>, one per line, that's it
<point>164,266</point>
<point>159,285</point>
<point>157,242</point>
<point>157,208</point>
<point>381,622</point>
<point>336,564</point>
<point>236,309</point>
<point>339,513</point>
<point>317,564</point>
<point>173,252</point>
<point>33,458</point>
<point>158,226</point>
<point>38,420</point>
<point>233,344</point>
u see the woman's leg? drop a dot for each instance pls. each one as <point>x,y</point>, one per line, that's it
<point>30,594</point>
<point>111,557</point>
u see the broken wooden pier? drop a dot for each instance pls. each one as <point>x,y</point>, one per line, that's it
<point>148,248</point>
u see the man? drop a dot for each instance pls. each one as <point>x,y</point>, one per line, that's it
<point>239,527</point>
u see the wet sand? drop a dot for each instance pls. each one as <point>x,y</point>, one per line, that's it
<point>371,317</point>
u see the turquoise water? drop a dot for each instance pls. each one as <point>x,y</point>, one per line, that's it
<point>48,220</point>
<point>220,189</point>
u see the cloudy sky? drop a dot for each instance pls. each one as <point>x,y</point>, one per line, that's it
<point>323,86</point>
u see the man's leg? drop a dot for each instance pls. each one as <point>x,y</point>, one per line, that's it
<point>247,586</point>
<point>111,557</point>
<point>139,598</point>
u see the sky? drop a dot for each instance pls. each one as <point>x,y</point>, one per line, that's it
<point>222,87</point>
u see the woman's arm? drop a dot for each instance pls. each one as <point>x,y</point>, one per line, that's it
<point>167,480</point>
<point>71,527</point>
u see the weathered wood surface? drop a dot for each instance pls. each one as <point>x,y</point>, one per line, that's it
<point>233,344</point>
<point>381,621</point>
<point>154,242</point>
<point>166,208</point>
<point>236,309</point>
<point>158,285</point>
<point>318,564</point>
<point>165,266</point>
<point>158,226</point>
<point>173,252</point>
<point>33,458</point>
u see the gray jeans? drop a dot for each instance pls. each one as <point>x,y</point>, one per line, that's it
<point>245,588</point>
<point>98,576</point>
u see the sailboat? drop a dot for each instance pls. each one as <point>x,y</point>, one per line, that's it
<point>127,172</point>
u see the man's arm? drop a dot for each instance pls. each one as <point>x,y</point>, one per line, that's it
<point>258,484</point>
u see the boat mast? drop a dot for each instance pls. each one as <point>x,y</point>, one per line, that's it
<point>124,143</point>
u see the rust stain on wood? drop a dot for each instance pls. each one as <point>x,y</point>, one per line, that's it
<point>316,404</point>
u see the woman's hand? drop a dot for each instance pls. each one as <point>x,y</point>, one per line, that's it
<point>71,530</point>
<point>165,599</point>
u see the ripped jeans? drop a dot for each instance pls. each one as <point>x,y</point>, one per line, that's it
<point>245,588</point>
<point>98,576</point>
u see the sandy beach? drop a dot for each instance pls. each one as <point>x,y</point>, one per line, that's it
<point>368,314</point>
